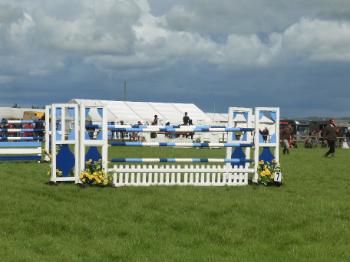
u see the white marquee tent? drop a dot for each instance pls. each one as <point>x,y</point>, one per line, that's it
<point>132,112</point>
<point>218,118</point>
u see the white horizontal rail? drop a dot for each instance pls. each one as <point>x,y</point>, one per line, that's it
<point>20,151</point>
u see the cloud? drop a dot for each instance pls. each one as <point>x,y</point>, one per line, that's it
<point>104,29</point>
<point>38,40</point>
<point>5,79</point>
<point>318,40</point>
<point>249,16</point>
<point>82,43</point>
<point>112,34</point>
<point>307,40</point>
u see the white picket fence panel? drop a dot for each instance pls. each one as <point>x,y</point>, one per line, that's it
<point>170,175</point>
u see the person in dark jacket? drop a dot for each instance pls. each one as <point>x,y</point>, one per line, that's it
<point>286,134</point>
<point>330,134</point>
<point>265,134</point>
<point>186,119</point>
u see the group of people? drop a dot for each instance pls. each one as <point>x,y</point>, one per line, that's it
<point>329,134</point>
<point>186,121</point>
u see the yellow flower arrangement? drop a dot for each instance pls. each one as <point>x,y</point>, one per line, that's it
<point>266,171</point>
<point>94,174</point>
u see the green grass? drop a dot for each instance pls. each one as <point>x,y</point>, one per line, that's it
<point>307,219</point>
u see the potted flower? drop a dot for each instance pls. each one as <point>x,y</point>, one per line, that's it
<point>94,174</point>
<point>269,173</point>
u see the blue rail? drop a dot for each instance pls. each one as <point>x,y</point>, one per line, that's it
<point>173,144</point>
<point>181,160</point>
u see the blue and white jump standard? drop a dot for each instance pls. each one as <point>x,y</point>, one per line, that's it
<point>63,136</point>
<point>66,131</point>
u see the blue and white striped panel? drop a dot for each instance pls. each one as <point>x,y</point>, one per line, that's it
<point>21,138</point>
<point>21,121</point>
<point>181,129</point>
<point>172,144</point>
<point>20,130</point>
<point>179,160</point>
<point>20,144</point>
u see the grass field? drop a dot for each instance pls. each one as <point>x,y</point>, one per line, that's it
<point>307,219</point>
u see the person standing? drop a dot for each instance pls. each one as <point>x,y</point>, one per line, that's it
<point>154,123</point>
<point>155,120</point>
<point>330,134</point>
<point>286,134</point>
<point>265,134</point>
<point>186,119</point>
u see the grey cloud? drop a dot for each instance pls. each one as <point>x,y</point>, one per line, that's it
<point>36,38</point>
<point>5,79</point>
<point>105,27</point>
<point>268,52</point>
<point>249,16</point>
<point>9,14</point>
<point>116,34</point>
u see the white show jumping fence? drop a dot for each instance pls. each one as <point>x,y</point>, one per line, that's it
<point>69,119</point>
<point>18,142</point>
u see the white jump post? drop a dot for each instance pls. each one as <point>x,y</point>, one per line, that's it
<point>266,117</point>
<point>242,118</point>
<point>47,133</point>
<point>64,135</point>
<point>90,142</point>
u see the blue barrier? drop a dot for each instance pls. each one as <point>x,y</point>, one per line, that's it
<point>181,160</point>
<point>20,144</point>
<point>173,144</point>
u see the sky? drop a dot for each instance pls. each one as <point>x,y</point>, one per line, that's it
<point>215,54</point>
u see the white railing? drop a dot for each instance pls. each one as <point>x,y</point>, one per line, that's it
<point>192,175</point>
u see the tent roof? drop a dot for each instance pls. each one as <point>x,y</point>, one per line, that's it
<point>218,117</point>
<point>16,113</point>
<point>131,112</point>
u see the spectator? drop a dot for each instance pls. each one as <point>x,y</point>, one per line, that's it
<point>286,136</point>
<point>155,120</point>
<point>265,134</point>
<point>308,141</point>
<point>154,123</point>
<point>314,138</point>
<point>186,119</point>
<point>122,133</point>
<point>330,134</point>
